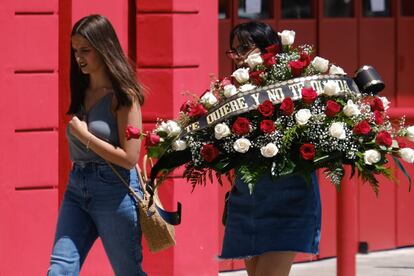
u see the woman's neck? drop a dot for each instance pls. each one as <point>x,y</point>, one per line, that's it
<point>99,80</point>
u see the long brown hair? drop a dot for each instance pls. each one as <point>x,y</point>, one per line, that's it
<point>101,35</point>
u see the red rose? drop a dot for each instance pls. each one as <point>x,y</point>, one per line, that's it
<point>185,107</point>
<point>305,58</point>
<point>209,152</point>
<point>309,95</point>
<point>296,67</point>
<point>332,108</point>
<point>196,110</point>
<point>274,49</point>
<point>151,140</point>
<point>287,106</point>
<point>241,126</point>
<point>379,119</point>
<point>132,132</point>
<point>267,126</point>
<point>362,128</point>
<point>269,59</point>
<point>307,151</point>
<point>266,108</point>
<point>255,77</point>
<point>384,138</point>
<point>377,104</point>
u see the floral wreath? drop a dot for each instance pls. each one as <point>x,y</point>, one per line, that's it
<point>324,127</point>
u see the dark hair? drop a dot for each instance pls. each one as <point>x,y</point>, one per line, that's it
<point>101,35</point>
<point>261,34</point>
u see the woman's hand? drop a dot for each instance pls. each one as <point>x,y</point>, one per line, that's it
<point>124,155</point>
<point>78,128</point>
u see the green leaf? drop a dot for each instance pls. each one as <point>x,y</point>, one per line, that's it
<point>282,167</point>
<point>335,172</point>
<point>155,152</point>
<point>401,167</point>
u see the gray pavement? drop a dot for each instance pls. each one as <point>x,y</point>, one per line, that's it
<point>398,262</point>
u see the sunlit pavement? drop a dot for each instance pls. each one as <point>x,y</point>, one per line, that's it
<point>399,262</point>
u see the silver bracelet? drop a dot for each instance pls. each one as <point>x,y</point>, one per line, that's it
<point>89,141</point>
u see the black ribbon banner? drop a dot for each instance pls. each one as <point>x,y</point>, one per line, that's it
<point>249,100</point>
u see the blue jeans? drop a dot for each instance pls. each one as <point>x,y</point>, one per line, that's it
<point>97,204</point>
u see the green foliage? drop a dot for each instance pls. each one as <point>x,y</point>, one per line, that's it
<point>401,167</point>
<point>251,174</point>
<point>335,172</point>
<point>155,152</point>
<point>290,135</point>
<point>197,176</point>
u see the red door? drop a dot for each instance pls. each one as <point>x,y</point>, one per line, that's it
<point>376,46</point>
<point>405,102</point>
<point>350,34</point>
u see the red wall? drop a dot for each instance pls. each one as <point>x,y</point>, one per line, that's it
<point>28,134</point>
<point>174,44</point>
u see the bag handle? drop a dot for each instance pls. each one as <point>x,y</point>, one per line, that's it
<point>173,218</point>
<point>131,191</point>
<point>144,165</point>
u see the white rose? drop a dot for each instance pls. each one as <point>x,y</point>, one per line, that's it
<point>371,157</point>
<point>385,102</point>
<point>410,133</point>
<point>407,154</point>
<point>254,59</point>
<point>320,64</point>
<point>287,37</point>
<point>331,88</point>
<point>269,150</point>
<point>336,70</point>
<point>179,145</point>
<point>351,109</point>
<point>163,127</point>
<point>302,116</point>
<point>208,99</point>
<point>242,145</point>
<point>173,129</point>
<point>247,87</point>
<point>337,130</point>
<point>229,90</point>
<point>241,75</point>
<point>221,130</point>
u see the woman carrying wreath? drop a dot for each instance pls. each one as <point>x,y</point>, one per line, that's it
<point>280,218</point>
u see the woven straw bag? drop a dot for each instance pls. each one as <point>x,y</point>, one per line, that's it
<point>158,234</point>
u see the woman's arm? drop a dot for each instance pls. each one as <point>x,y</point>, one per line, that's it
<point>127,154</point>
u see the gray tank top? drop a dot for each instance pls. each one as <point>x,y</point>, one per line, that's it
<point>102,124</point>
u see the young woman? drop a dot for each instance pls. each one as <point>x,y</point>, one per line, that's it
<point>280,218</point>
<point>105,98</point>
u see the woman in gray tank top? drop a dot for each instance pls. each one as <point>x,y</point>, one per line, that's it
<point>105,98</point>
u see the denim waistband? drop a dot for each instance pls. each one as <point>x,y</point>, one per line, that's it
<point>93,166</point>
<point>84,164</point>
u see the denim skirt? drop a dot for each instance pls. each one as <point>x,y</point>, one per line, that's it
<point>280,215</point>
